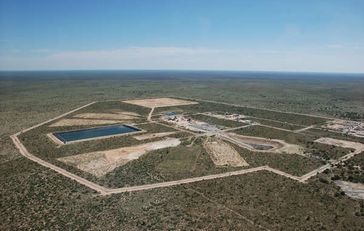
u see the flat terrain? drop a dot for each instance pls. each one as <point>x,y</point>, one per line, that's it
<point>251,197</point>
<point>159,102</point>
<point>101,162</point>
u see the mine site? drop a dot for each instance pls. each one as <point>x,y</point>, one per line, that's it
<point>103,145</point>
<point>182,115</point>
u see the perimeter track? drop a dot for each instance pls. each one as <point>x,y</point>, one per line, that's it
<point>107,191</point>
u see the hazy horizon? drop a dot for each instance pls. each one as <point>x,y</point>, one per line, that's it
<point>170,74</point>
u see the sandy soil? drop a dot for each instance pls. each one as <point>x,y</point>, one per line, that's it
<point>340,143</point>
<point>108,116</point>
<point>222,154</point>
<point>153,135</point>
<point>160,102</point>
<point>54,139</point>
<point>96,119</point>
<point>353,190</point>
<point>290,149</point>
<point>102,162</point>
<point>75,122</point>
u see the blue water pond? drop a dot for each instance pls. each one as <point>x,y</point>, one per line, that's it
<point>91,133</point>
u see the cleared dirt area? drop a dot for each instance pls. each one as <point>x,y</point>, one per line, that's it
<point>353,128</point>
<point>108,116</point>
<point>160,102</point>
<point>222,154</point>
<point>102,162</point>
<point>75,122</point>
<point>341,143</point>
<point>153,135</point>
<point>232,117</point>
<point>353,190</point>
<point>259,144</point>
<point>191,124</point>
<point>97,119</point>
<point>290,149</point>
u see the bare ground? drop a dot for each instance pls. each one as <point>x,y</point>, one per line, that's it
<point>340,143</point>
<point>222,154</point>
<point>153,135</point>
<point>75,122</point>
<point>102,162</point>
<point>97,119</point>
<point>259,144</point>
<point>109,116</point>
<point>160,102</point>
<point>353,190</point>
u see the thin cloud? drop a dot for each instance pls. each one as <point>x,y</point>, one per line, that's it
<point>344,46</point>
<point>191,58</point>
<point>141,52</point>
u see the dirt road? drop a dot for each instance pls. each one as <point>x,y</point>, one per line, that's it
<point>184,181</point>
<point>359,148</point>
<point>150,114</point>
<point>304,129</point>
<point>55,118</point>
<point>236,128</point>
<point>202,178</point>
<point>272,110</point>
<point>107,191</point>
<point>65,173</point>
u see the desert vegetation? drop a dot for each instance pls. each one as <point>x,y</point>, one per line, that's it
<point>34,197</point>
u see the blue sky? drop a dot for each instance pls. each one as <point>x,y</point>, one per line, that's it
<point>274,35</point>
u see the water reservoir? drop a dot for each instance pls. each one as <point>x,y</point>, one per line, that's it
<point>94,133</point>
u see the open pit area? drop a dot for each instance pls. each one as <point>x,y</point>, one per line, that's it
<point>176,141</point>
<point>258,144</point>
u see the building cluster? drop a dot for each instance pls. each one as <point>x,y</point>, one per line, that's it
<point>231,116</point>
<point>189,123</point>
<point>349,127</point>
